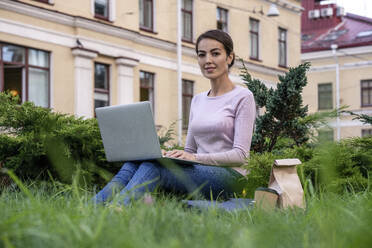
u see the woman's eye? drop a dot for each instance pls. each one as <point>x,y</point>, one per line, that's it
<point>200,55</point>
<point>215,54</point>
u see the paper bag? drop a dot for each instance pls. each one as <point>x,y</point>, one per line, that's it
<point>284,179</point>
<point>266,198</point>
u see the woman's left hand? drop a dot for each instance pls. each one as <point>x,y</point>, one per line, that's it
<point>180,154</point>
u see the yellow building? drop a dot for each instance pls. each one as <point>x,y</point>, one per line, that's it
<point>339,48</point>
<point>73,56</point>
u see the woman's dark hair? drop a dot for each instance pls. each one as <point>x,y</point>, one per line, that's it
<point>221,37</point>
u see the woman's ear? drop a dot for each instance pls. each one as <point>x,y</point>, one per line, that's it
<point>230,58</point>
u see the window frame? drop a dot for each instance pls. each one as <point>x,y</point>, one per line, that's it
<point>185,125</point>
<point>366,132</point>
<point>101,17</point>
<point>145,28</point>
<point>254,33</point>
<point>101,90</point>
<point>188,12</point>
<point>368,89</point>
<point>149,87</point>
<point>280,41</point>
<point>226,23</point>
<point>26,66</point>
<point>331,97</point>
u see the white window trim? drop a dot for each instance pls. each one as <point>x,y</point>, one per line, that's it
<point>111,11</point>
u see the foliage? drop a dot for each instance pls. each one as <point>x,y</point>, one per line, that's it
<point>283,109</point>
<point>38,143</point>
<point>259,165</point>
<point>366,119</point>
<point>332,167</point>
<point>341,166</point>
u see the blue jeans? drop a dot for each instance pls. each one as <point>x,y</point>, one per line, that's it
<point>135,178</point>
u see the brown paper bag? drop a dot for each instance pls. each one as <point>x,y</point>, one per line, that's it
<point>266,198</point>
<point>284,179</point>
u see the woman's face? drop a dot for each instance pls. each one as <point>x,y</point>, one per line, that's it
<point>212,58</point>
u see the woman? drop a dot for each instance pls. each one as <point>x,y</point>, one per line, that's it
<point>220,133</point>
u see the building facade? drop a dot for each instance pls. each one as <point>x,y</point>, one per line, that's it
<point>73,56</point>
<point>338,45</point>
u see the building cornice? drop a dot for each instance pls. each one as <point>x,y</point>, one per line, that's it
<point>346,66</point>
<point>341,52</point>
<point>282,3</point>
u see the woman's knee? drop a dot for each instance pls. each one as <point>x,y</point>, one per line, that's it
<point>129,166</point>
<point>149,166</point>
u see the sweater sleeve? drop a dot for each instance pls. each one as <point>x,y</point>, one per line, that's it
<point>243,130</point>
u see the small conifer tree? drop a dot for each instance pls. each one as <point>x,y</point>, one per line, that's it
<point>284,110</point>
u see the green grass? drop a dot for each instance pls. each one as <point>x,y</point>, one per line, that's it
<point>60,216</point>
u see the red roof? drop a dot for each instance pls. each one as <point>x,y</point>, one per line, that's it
<point>351,31</point>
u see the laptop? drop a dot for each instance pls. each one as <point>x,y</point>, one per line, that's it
<point>128,133</point>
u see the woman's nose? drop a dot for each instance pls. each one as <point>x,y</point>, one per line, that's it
<point>208,58</point>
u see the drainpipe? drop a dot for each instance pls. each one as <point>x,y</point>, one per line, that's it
<point>179,71</point>
<point>334,48</point>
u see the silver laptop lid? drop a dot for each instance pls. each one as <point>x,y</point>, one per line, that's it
<point>128,132</point>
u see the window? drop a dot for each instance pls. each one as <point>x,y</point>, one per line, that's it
<point>282,47</point>
<point>325,135</point>
<point>366,132</point>
<point>366,92</point>
<point>222,22</point>
<point>25,73</point>
<point>101,9</point>
<point>186,10</point>
<point>101,85</point>
<point>325,99</point>
<point>254,29</point>
<point>187,94</point>
<point>146,14</point>
<point>147,88</point>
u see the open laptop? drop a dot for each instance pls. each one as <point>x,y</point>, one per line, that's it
<point>128,133</point>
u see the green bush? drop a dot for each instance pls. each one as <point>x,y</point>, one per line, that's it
<point>341,166</point>
<point>334,166</point>
<point>37,143</point>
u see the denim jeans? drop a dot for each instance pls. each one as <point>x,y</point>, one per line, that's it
<point>136,178</point>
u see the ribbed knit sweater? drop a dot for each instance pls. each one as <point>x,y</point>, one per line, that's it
<point>220,128</point>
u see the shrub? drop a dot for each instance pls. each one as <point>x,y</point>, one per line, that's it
<point>37,143</point>
<point>335,167</point>
<point>284,113</point>
<point>341,166</point>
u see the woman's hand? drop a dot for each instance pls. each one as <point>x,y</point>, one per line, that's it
<point>181,154</point>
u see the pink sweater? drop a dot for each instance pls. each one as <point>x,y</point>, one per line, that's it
<point>221,127</point>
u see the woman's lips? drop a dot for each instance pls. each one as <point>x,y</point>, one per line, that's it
<point>210,69</point>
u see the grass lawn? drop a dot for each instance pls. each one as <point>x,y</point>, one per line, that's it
<point>59,216</point>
